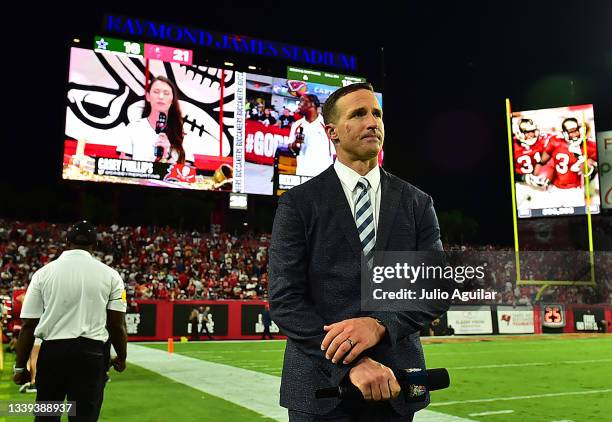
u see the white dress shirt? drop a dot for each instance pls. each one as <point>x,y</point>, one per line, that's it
<point>349,178</point>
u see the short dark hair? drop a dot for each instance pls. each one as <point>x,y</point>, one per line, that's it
<point>82,233</point>
<point>329,108</point>
<point>313,99</point>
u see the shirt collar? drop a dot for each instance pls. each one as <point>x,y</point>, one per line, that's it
<point>350,177</point>
<point>73,252</point>
<point>318,120</point>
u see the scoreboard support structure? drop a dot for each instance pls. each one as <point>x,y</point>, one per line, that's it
<point>546,283</point>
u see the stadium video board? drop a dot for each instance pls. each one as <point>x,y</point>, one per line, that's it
<point>555,162</point>
<point>604,142</point>
<point>107,139</point>
<point>272,165</point>
<point>237,128</point>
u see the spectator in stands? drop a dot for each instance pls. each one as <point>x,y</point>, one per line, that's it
<point>142,251</point>
<point>286,119</point>
<point>267,119</point>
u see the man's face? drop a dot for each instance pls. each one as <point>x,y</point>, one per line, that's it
<point>359,131</point>
<point>573,130</point>
<point>529,134</point>
<point>160,96</point>
<point>304,105</point>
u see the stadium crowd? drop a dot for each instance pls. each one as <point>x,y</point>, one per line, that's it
<point>155,263</point>
<point>162,263</point>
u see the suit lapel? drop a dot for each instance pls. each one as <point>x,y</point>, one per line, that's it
<point>389,204</point>
<point>341,211</point>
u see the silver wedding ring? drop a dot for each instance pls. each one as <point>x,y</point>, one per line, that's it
<point>350,342</point>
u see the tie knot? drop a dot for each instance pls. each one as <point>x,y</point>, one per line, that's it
<point>363,183</point>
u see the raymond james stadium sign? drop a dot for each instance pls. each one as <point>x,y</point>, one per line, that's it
<point>171,33</point>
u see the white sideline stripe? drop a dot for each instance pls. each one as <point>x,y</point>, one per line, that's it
<point>509,365</point>
<point>496,412</point>
<point>431,416</point>
<point>277,340</point>
<point>535,396</point>
<point>253,390</point>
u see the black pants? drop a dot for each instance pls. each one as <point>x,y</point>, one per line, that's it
<point>354,412</point>
<point>195,335</point>
<point>205,330</point>
<point>72,369</point>
<point>267,333</point>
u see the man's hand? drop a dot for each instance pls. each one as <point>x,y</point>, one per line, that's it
<point>118,364</point>
<point>21,378</point>
<point>375,380</point>
<point>296,146</point>
<point>363,333</point>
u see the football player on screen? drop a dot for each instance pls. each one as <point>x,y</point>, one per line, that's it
<point>529,146</point>
<point>564,164</point>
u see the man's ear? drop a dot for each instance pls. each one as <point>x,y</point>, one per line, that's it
<point>332,134</point>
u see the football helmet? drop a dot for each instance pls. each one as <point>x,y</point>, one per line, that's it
<point>573,131</point>
<point>527,132</point>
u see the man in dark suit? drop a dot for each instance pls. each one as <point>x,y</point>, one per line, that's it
<point>322,230</point>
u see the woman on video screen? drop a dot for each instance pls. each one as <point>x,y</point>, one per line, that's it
<point>158,135</point>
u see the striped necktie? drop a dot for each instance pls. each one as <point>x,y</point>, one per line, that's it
<point>364,218</point>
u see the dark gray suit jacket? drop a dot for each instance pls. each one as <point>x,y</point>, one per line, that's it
<point>315,259</point>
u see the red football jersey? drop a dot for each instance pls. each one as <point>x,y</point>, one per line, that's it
<point>568,165</point>
<point>526,157</point>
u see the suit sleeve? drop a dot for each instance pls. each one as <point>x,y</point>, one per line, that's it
<point>291,305</point>
<point>402,324</point>
<point>428,229</point>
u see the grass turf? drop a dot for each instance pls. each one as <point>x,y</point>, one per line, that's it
<point>141,395</point>
<point>506,367</point>
<point>480,370</point>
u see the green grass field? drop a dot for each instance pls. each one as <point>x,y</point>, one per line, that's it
<point>543,378</point>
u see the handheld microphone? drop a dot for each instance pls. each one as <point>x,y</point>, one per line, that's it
<point>414,382</point>
<point>160,127</point>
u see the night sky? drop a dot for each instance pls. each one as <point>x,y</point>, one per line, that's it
<point>444,71</point>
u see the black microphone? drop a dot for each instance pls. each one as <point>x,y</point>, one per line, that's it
<point>160,127</point>
<point>414,382</point>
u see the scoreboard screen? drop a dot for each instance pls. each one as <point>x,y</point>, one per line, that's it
<point>236,126</point>
<point>555,162</point>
